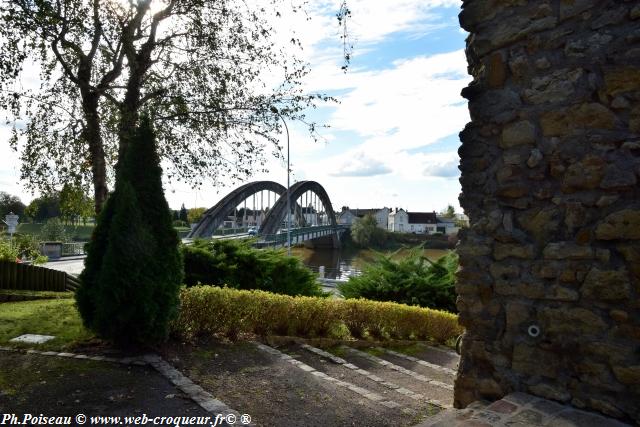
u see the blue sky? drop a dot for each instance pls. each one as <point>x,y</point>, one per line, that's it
<point>393,138</point>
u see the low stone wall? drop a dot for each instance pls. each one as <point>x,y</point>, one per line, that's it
<point>549,283</point>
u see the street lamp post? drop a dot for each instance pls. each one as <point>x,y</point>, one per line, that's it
<point>274,110</point>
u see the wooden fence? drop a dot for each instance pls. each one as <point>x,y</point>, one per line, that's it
<point>33,278</point>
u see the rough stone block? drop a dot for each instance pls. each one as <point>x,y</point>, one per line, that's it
<point>541,223</point>
<point>629,375</point>
<point>506,250</point>
<point>584,175</point>
<point>513,191</point>
<point>607,285</point>
<point>624,224</point>
<point>568,250</point>
<point>531,360</point>
<point>634,120</point>
<point>554,87</point>
<point>572,321</point>
<point>562,293</point>
<point>518,133</point>
<point>621,80</point>
<point>496,70</point>
<point>533,290</point>
<point>504,271</point>
<point>509,31</point>
<point>576,118</point>
<point>517,314</point>
<point>550,391</point>
<point>571,8</point>
<point>618,176</point>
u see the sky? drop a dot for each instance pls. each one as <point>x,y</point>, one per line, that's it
<point>392,139</point>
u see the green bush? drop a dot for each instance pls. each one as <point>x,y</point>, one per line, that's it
<point>7,251</point>
<point>366,233</point>
<point>413,280</point>
<point>53,231</point>
<point>208,310</point>
<point>28,248</point>
<point>237,264</point>
<point>129,287</point>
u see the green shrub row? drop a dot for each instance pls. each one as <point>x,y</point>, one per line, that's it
<point>235,263</point>
<point>208,310</point>
<point>413,280</point>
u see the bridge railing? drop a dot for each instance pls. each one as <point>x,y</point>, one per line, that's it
<point>280,238</point>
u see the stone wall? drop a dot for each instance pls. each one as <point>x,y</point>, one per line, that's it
<point>549,283</point>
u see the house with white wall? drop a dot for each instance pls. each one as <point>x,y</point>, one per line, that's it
<point>345,216</point>
<point>349,216</point>
<point>401,221</point>
<point>398,221</point>
<point>447,226</point>
<point>422,222</point>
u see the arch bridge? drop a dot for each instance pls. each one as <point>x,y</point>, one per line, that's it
<point>262,205</point>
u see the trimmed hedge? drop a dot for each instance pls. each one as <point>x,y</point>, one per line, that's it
<point>208,310</point>
<point>237,264</point>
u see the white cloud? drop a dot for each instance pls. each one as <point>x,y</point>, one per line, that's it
<point>410,103</point>
<point>374,20</point>
<point>443,170</point>
<point>361,165</point>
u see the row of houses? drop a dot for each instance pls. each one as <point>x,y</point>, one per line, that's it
<point>401,221</point>
<point>394,220</point>
<point>254,218</point>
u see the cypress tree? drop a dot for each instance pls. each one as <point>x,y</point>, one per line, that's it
<point>133,269</point>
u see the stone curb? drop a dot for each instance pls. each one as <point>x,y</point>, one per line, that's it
<point>406,392</point>
<point>401,369</point>
<point>433,366</point>
<point>356,389</point>
<point>188,387</point>
<point>122,360</point>
<point>196,393</point>
<point>441,349</point>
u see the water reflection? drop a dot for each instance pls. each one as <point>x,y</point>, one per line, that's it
<point>340,264</point>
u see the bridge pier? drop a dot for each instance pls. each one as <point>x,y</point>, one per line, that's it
<point>328,241</point>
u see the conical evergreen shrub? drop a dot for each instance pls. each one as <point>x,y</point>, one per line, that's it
<point>133,270</point>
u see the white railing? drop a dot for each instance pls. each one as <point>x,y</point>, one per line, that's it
<point>73,248</point>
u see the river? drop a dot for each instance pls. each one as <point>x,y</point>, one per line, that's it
<point>340,264</point>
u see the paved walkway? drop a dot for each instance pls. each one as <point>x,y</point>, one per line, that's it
<point>521,410</point>
<point>71,265</point>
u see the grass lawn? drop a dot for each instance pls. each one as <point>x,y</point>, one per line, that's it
<point>57,317</point>
<point>80,233</point>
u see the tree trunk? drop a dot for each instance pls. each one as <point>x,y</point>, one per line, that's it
<point>129,113</point>
<point>91,134</point>
<point>129,109</point>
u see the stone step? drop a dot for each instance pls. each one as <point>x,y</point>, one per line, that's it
<point>293,359</point>
<point>431,390</point>
<point>350,376</point>
<point>432,370</point>
<point>442,356</point>
<point>436,379</point>
<point>404,395</point>
<point>519,409</point>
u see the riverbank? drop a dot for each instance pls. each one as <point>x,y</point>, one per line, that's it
<point>348,261</point>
